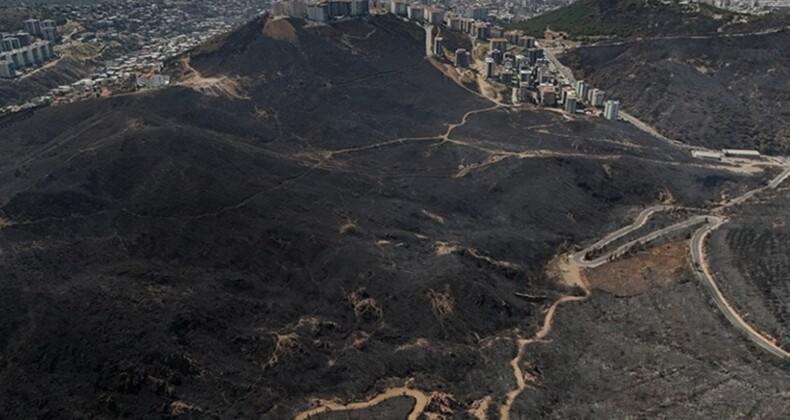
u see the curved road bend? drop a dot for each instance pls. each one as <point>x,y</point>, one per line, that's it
<point>703,272</point>
<point>579,257</point>
<point>420,402</point>
<point>697,246</point>
<point>641,219</point>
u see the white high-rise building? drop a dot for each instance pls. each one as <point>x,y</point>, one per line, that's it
<point>596,97</point>
<point>360,7</point>
<point>582,90</point>
<point>33,26</point>
<point>399,8</point>
<point>570,103</point>
<point>438,49</point>
<point>611,109</point>
<point>462,58</point>
<point>523,92</point>
<point>490,68</point>
<point>434,15</point>
<point>6,68</point>
<point>415,12</point>
<point>297,8</point>
<point>318,12</point>
<point>278,8</point>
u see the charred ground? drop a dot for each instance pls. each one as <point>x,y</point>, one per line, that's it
<point>719,91</point>
<point>701,75</point>
<point>289,223</point>
<point>753,255</point>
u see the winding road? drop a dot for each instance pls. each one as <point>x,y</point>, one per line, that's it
<point>697,247</point>
<point>579,258</point>
<point>641,219</point>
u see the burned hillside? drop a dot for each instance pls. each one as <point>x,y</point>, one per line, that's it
<point>713,91</point>
<point>310,211</point>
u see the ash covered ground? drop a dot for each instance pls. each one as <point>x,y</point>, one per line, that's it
<point>296,221</point>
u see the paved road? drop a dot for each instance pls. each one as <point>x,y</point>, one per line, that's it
<point>779,179</point>
<point>773,184</point>
<point>641,219</point>
<point>697,246</point>
<point>623,249</point>
<point>650,130</point>
<point>704,274</point>
<point>566,72</point>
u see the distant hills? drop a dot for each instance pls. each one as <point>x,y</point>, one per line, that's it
<point>626,18</point>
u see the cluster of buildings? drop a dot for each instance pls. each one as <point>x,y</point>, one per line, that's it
<point>28,49</point>
<point>321,10</point>
<point>135,22</point>
<point>45,29</point>
<point>748,6</point>
<point>514,60</point>
<point>729,153</point>
<point>139,69</point>
<point>503,10</point>
<point>531,77</point>
<point>418,12</point>
<point>26,56</point>
<point>135,37</point>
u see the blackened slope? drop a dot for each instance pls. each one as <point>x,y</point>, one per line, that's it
<point>340,85</point>
<point>173,249</point>
<point>269,48</point>
<point>67,71</point>
<point>717,92</point>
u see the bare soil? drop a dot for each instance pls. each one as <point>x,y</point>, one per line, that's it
<point>657,267</point>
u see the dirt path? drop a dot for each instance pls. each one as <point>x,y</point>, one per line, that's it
<point>46,66</point>
<point>548,321</point>
<point>451,127</point>
<point>420,401</point>
<point>480,408</point>
<point>213,86</point>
